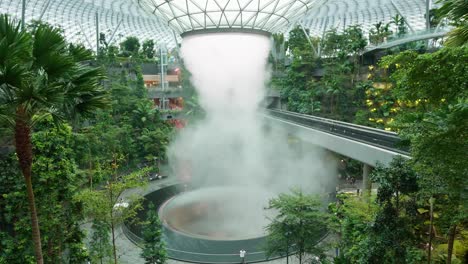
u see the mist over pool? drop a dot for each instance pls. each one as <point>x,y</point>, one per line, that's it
<point>231,146</point>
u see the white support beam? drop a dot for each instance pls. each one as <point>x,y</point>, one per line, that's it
<point>23,14</point>
<point>97,33</point>
<point>44,9</point>
<point>308,38</point>
<point>403,16</point>
<point>115,30</point>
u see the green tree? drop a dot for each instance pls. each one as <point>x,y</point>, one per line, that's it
<point>55,177</point>
<point>297,226</point>
<point>131,127</point>
<point>392,236</point>
<point>333,43</point>
<point>56,180</point>
<point>148,48</point>
<point>457,12</point>
<point>379,33</point>
<point>400,25</point>
<point>437,127</point>
<point>278,52</point>
<point>107,206</point>
<point>42,76</point>
<point>298,86</point>
<point>354,45</point>
<point>334,81</point>
<point>154,251</point>
<point>130,46</point>
<point>100,247</point>
<point>352,218</point>
<point>341,68</point>
<point>299,45</point>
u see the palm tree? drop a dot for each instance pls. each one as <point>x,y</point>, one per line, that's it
<point>399,23</point>
<point>457,12</point>
<point>41,75</point>
<point>378,34</point>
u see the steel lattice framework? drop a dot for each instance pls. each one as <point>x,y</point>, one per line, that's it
<point>341,14</point>
<point>265,15</point>
<point>77,18</point>
<point>122,18</point>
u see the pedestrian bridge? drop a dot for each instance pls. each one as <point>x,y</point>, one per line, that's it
<point>365,144</point>
<point>410,37</point>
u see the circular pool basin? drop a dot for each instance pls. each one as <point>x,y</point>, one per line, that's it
<point>217,213</point>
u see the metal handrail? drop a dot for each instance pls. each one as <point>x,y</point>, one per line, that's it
<point>139,242</point>
<point>371,136</point>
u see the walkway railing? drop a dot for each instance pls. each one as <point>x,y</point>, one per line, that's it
<point>186,256</point>
<point>372,136</point>
<point>206,258</point>
<point>410,37</point>
<point>170,92</point>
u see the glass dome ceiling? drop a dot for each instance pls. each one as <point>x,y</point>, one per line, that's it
<point>121,18</point>
<point>340,14</point>
<point>265,15</point>
<point>77,18</point>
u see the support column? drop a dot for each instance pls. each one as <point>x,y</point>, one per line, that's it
<point>23,14</point>
<point>163,61</point>
<point>366,182</point>
<point>97,33</point>
<point>428,19</point>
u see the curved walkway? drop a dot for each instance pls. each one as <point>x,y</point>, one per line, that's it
<point>410,37</point>
<point>129,253</point>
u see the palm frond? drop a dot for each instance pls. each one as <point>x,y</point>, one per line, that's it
<point>45,76</point>
<point>80,53</point>
<point>50,52</point>
<point>83,93</point>
<point>456,10</point>
<point>15,51</point>
<point>458,37</point>
<point>15,44</point>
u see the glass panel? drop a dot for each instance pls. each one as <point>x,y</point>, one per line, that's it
<point>233,18</point>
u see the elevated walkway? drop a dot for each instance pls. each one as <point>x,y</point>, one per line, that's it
<point>410,37</point>
<point>365,144</point>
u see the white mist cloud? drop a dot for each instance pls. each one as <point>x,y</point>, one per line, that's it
<point>231,146</point>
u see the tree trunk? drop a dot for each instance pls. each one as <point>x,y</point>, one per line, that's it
<point>451,240</point>
<point>91,172</point>
<point>431,222</point>
<point>397,198</point>
<point>24,152</point>
<point>114,249</point>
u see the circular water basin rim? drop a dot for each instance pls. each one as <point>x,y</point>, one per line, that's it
<point>217,213</point>
<point>184,247</point>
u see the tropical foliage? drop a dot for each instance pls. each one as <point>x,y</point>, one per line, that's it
<point>436,128</point>
<point>50,93</point>
<point>299,223</point>
<point>42,76</point>
<point>457,12</point>
<point>154,251</point>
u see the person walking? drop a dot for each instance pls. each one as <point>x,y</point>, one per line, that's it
<point>242,255</point>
